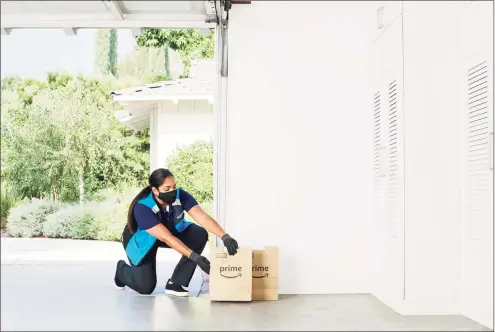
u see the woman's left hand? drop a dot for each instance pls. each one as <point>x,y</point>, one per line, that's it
<point>230,244</point>
<point>203,262</point>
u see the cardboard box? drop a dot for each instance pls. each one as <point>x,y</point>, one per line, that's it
<point>265,274</point>
<point>231,276</point>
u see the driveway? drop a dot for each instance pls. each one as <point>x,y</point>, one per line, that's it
<point>52,284</point>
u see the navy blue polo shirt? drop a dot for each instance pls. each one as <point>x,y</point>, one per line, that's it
<point>146,218</point>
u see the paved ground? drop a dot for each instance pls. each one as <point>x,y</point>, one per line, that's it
<point>56,284</point>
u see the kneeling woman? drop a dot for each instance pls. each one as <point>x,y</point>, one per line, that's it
<point>156,219</point>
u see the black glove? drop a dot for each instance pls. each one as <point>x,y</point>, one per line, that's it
<point>203,262</point>
<point>230,244</point>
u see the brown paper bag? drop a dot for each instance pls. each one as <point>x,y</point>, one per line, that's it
<point>265,274</point>
<point>231,276</point>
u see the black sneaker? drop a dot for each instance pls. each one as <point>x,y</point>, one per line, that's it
<point>175,289</point>
<point>119,284</point>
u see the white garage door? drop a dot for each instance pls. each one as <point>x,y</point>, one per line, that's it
<point>71,15</point>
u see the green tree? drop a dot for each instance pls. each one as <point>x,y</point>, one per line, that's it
<point>106,52</point>
<point>144,64</point>
<point>112,53</point>
<point>188,42</point>
<point>24,89</point>
<point>58,80</point>
<point>9,83</point>
<point>67,143</point>
<point>192,167</point>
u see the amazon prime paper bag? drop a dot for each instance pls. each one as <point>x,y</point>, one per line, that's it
<point>231,276</point>
<point>265,274</point>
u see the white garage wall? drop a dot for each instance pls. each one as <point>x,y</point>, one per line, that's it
<point>299,172</point>
<point>432,133</point>
<point>475,48</point>
<point>178,125</point>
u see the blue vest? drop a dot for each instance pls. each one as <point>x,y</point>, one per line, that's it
<point>142,241</point>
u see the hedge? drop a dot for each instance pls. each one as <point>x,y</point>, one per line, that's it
<point>28,218</point>
<point>96,220</point>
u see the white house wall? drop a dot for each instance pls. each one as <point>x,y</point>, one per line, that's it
<point>476,114</point>
<point>387,247</point>
<point>432,182</point>
<point>448,188</point>
<point>298,141</point>
<point>154,138</point>
<point>177,125</point>
<point>194,121</point>
<point>299,154</point>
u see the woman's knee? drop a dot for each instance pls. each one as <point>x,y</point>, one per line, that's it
<point>146,287</point>
<point>201,235</point>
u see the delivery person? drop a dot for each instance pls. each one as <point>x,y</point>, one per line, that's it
<point>156,219</point>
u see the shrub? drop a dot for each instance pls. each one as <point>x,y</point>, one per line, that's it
<point>109,221</point>
<point>192,167</point>
<point>27,219</point>
<point>102,195</point>
<point>72,222</point>
<point>96,220</point>
<point>110,215</point>
<point>102,219</point>
<point>7,201</point>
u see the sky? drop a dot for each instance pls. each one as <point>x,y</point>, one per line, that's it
<point>34,52</point>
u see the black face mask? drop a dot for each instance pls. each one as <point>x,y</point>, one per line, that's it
<point>168,197</point>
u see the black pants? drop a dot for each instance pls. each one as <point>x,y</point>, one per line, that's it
<point>142,278</point>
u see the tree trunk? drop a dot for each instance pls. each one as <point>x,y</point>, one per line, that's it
<point>106,45</point>
<point>112,52</point>
<point>167,60</point>
<point>150,66</point>
<point>54,194</point>
<point>81,185</point>
<point>186,60</point>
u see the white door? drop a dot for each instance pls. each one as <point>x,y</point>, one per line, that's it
<point>476,106</point>
<point>388,245</point>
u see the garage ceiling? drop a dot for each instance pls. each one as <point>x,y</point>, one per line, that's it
<point>72,15</point>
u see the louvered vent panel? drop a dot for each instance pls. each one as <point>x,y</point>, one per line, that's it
<point>376,133</point>
<point>377,158</point>
<point>478,182</point>
<point>393,131</point>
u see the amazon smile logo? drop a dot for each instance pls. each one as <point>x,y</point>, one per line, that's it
<point>263,276</point>
<point>233,271</point>
<point>264,269</point>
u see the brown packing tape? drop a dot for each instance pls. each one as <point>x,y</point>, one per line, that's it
<point>265,274</point>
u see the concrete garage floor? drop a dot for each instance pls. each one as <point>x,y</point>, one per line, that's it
<point>53,285</point>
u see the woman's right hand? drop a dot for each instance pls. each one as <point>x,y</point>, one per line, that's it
<point>203,262</point>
